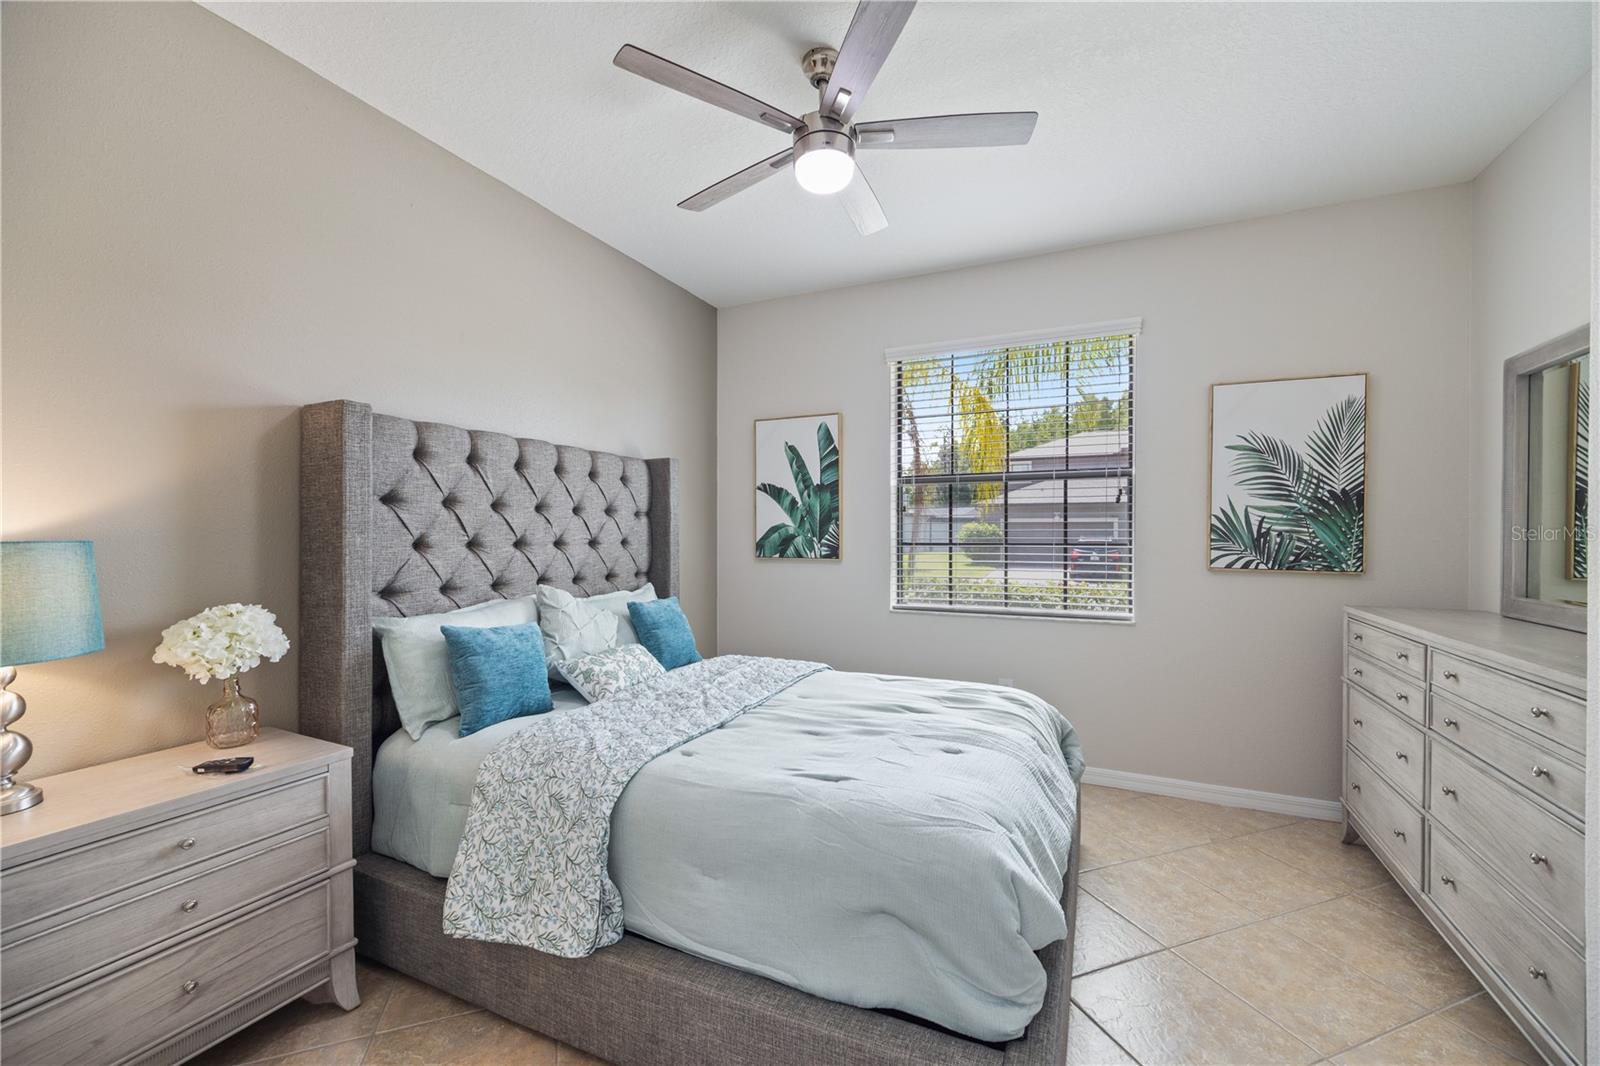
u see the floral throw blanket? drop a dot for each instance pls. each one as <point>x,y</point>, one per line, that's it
<point>532,864</point>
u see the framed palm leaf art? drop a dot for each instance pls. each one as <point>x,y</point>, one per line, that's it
<point>798,464</point>
<point>1288,487</point>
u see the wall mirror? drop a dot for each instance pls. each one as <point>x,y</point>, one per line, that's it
<point>1546,558</point>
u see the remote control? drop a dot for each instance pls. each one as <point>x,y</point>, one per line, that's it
<point>236,765</point>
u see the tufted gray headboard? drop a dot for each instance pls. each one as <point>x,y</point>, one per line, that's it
<point>405,518</point>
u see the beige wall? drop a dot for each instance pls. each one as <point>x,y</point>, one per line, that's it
<point>1530,284</point>
<point>1224,678</point>
<point>201,235</point>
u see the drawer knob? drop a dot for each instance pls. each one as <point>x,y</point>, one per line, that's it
<point>190,987</point>
<point>1452,723</point>
<point>1402,656</point>
<point>1355,721</point>
<point>1539,771</point>
<point>186,843</point>
<point>1402,697</point>
<point>1355,788</point>
<point>1538,712</point>
<point>1399,833</point>
<point>1444,880</point>
<point>188,905</point>
<point>1402,756</point>
<point>1535,858</point>
<point>1536,973</point>
<point>1357,672</point>
<point>1451,675</point>
<point>1447,790</point>
<point>1358,638</point>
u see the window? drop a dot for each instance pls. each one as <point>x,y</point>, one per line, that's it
<point>1013,476</point>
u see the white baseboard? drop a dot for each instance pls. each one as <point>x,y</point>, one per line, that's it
<point>1225,795</point>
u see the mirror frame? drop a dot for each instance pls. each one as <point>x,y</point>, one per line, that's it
<point>1519,371</point>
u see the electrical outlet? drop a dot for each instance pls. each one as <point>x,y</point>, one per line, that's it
<point>1008,682</point>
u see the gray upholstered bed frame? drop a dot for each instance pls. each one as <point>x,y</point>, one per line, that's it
<point>401,518</point>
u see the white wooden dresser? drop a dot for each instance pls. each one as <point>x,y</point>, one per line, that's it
<point>147,912</point>
<point>1464,773</point>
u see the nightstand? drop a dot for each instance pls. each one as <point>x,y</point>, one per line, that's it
<point>147,912</point>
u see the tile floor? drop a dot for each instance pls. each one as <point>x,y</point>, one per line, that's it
<point>1205,935</point>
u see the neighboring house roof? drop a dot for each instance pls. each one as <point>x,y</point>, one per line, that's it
<point>1080,491</point>
<point>1092,442</point>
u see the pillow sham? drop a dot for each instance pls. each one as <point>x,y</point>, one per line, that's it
<point>664,631</point>
<point>418,659</point>
<point>575,626</point>
<point>498,673</point>
<point>607,673</point>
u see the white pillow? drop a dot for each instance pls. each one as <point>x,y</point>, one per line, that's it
<point>607,673</point>
<point>617,604</point>
<point>418,659</point>
<point>575,626</point>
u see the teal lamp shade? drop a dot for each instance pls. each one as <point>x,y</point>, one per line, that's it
<point>49,601</point>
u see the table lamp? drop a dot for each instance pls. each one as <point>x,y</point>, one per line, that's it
<point>49,609</point>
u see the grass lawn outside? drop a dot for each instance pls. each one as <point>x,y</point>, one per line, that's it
<point>937,564</point>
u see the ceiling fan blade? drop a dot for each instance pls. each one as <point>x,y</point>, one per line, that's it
<point>861,203</point>
<point>990,130</point>
<point>666,72</point>
<point>873,31</point>
<point>715,194</point>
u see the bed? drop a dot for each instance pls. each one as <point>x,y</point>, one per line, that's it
<point>401,517</point>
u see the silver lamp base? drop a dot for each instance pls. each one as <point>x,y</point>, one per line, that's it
<point>14,750</point>
<point>19,797</point>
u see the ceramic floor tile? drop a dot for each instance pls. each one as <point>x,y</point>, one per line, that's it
<point>1163,1010</point>
<point>302,1025</point>
<point>411,1002</point>
<point>1103,937</point>
<point>1314,848</point>
<point>1230,821</point>
<point>347,1053</point>
<point>1151,828</point>
<point>1391,897</point>
<point>1099,795</point>
<point>1402,953</point>
<point>480,1039</point>
<point>1429,1042</point>
<point>1250,878</point>
<point>1088,1045</point>
<point>1322,1001</point>
<point>1163,901</point>
<point>1483,1018</point>
<point>1099,846</point>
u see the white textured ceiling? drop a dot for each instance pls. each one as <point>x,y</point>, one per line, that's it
<point>1153,117</point>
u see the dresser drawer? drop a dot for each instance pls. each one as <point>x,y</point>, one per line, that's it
<point>1513,754</point>
<point>1393,745</point>
<point>1540,970</point>
<point>1389,824</point>
<point>1537,852</point>
<point>1403,694</point>
<point>111,1019</point>
<point>1406,656</point>
<point>52,884</point>
<point>1546,713</point>
<point>104,933</point>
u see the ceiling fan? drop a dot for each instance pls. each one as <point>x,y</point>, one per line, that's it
<point>825,140</point>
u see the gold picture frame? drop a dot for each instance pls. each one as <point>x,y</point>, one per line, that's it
<point>1277,547</point>
<point>800,542</point>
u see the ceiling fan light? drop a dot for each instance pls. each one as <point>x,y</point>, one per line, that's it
<point>824,171</point>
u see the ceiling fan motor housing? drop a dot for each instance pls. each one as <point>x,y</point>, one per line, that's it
<point>818,64</point>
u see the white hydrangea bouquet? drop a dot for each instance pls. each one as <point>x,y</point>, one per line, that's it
<point>223,642</point>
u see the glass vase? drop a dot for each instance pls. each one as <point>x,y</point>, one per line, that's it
<point>233,720</point>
